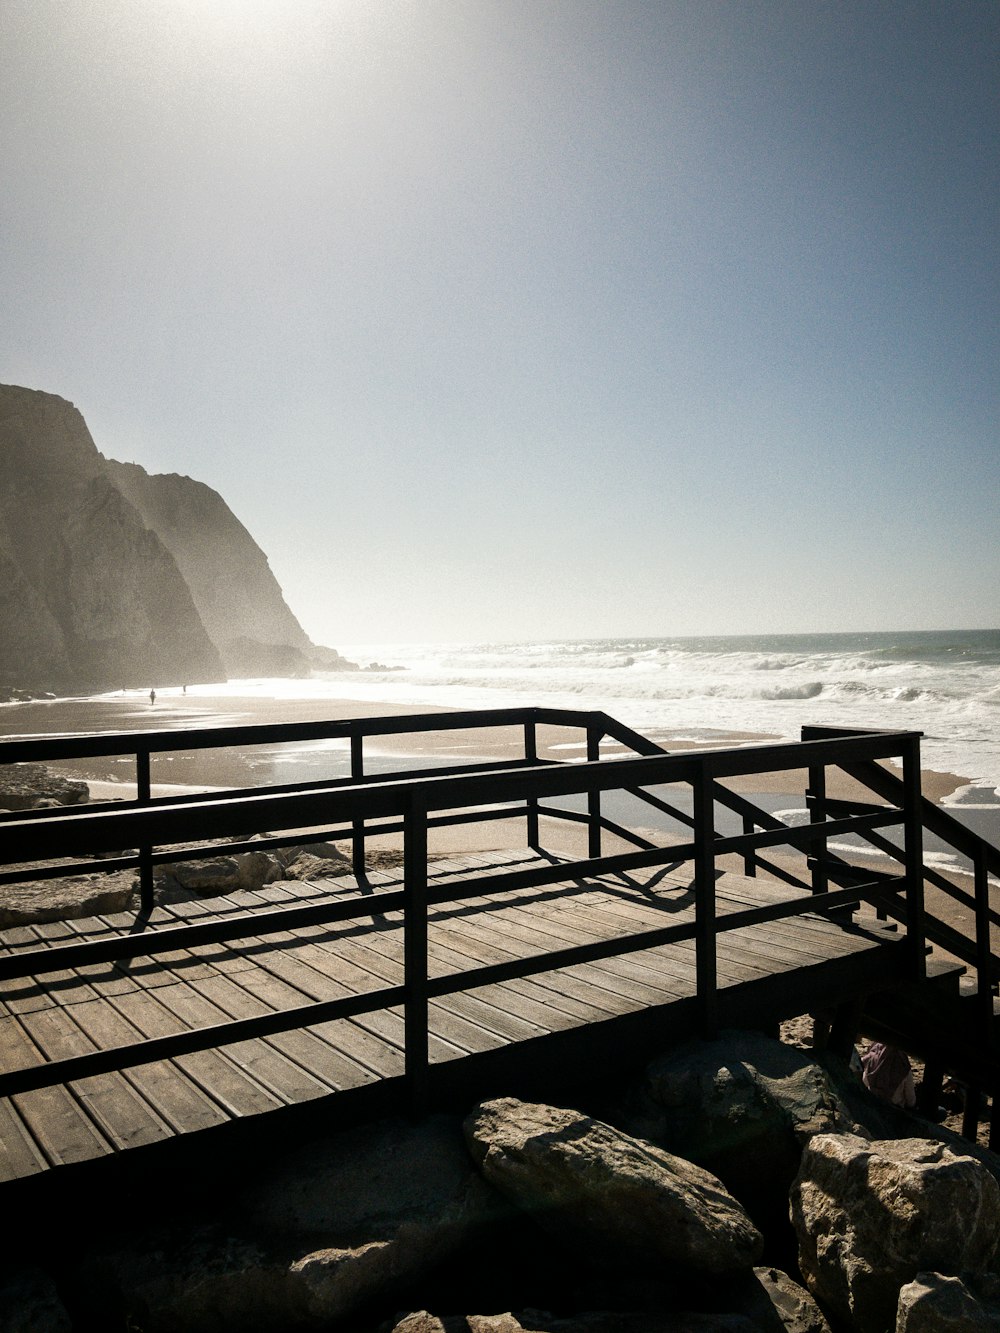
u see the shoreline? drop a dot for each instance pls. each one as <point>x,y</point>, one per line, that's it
<point>173,709</point>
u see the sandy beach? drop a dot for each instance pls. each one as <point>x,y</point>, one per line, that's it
<point>183,772</point>
<point>278,763</point>
<point>132,711</point>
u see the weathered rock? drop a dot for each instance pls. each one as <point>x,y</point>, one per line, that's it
<point>779,1305</point>
<point>615,1192</point>
<point>255,869</point>
<point>308,865</point>
<point>938,1303</point>
<point>209,876</point>
<point>742,1107</point>
<point>336,1225</point>
<point>67,899</point>
<point>30,786</point>
<point>600,1321</point>
<point>29,1303</point>
<point>870,1216</point>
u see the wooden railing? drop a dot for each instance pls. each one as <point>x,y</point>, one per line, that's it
<point>417,803</point>
<point>974,947</point>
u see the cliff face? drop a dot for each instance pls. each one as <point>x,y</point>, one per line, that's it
<point>91,598</point>
<point>112,577</point>
<point>237,596</point>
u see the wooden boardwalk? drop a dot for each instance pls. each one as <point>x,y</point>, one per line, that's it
<point>593,1012</point>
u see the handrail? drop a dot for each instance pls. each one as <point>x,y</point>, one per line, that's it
<point>440,797</point>
<point>75,830</point>
<point>978,950</point>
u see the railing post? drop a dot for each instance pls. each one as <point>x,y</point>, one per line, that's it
<point>913,832</point>
<point>984,952</point>
<point>594,734</point>
<point>415,953</point>
<point>704,891</point>
<point>358,825</point>
<point>531,757</point>
<point>816,807</point>
<point>142,790</point>
<point>750,855</point>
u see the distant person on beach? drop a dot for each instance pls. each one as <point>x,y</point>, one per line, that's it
<point>152,696</point>
<point>184,689</point>
<point>887,1073</point>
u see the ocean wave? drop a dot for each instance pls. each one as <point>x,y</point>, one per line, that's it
<point>767,685</point>
<point>808,690</point>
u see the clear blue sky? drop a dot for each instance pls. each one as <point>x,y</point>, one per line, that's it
<point>522,318</point>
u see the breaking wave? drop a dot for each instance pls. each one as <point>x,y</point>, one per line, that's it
<point>946,685</point>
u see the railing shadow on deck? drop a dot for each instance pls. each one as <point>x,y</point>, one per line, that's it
<point>361,806</point>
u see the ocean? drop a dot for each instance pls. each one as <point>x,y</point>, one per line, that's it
<point>943,683</point>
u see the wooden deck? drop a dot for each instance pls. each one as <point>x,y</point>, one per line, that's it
<point>497,1037</point>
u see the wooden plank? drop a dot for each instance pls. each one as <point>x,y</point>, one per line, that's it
<point>288,1081</point>
<point>306,1049</point>
<point>57,1124</point>
<point>544,933</point>
<point>615,985</point>
<point>345,1038</point>
<point>215,1072</point>
<point>462,955</point>
<point>448,1021</point>
<point>122,1116</point>
<point>20,1156</point>
<point>176,1099</point>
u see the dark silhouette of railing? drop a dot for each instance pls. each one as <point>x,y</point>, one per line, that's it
<point>362,806</point>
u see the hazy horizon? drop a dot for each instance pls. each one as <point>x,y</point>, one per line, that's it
<point>493,319</point>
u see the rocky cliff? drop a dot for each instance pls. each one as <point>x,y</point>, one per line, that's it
<point>237,595</point>
<point>110,577</point>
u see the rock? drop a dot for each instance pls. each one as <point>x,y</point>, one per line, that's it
<point>870,1216</point>
<point>308,865</point>
<point>742,1107</point>
<point>581,1177</point>
<point>255,869</point>
<point>776,1304</point>
<point>937,1303</point>
<point>29,1303</point>
<point>326,1231</point>
<point>67,899</point>
<point>369,1182</point>
<point>596,1322</point>
<point>209,877</point>
<point>33,786</point>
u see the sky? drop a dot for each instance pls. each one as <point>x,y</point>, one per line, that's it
<point>513,319</point>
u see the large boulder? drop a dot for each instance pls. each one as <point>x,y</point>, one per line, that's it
<point>774,1303</point>
<point>326,1231</point>
<point>936,1303</point>
<point>742,1107</point>
<point>30,1303</point>
<point>870,1216</point>
<point>621,1196</point>
<point>67,899</point>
